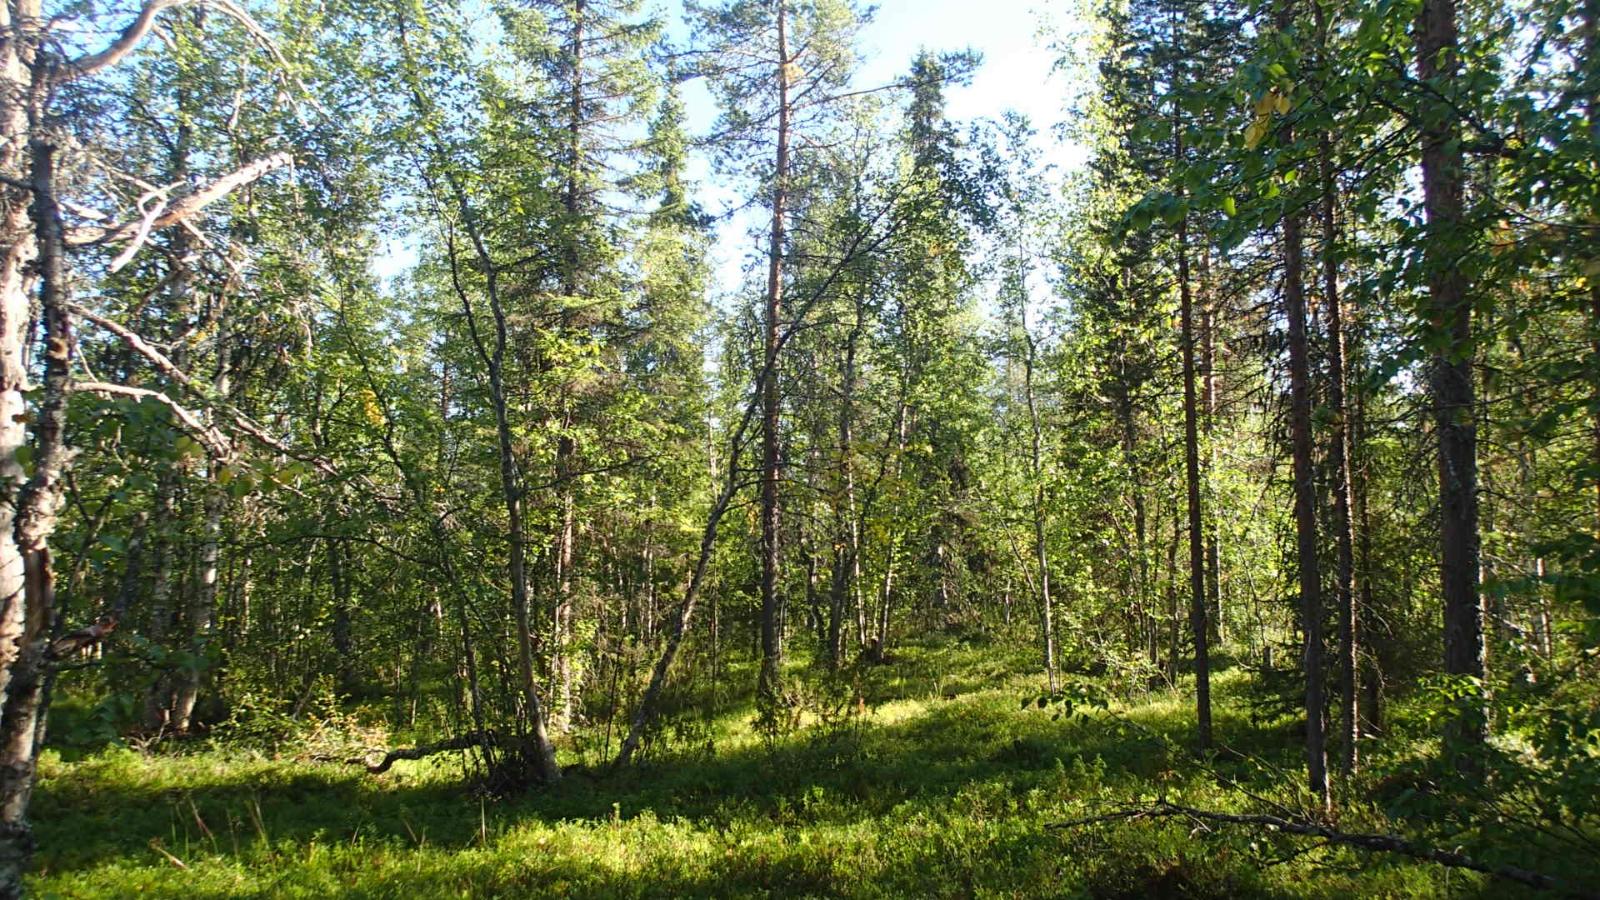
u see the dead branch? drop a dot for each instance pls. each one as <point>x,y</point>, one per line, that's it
<point>166,367</point>
<point>214,440</point>
<point>124,43</point>
<point>179,210</point>
<point>155,844</point>
<point>423,751</point>
<point>132,36</point>
<point>1376,843</point>
<point>87,636</point>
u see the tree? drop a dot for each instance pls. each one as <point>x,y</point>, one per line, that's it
<point>787,91</point>
<point>1450,378</point>
<point>33,231</point>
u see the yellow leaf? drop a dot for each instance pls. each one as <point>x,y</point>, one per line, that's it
<point>1254,134</point>
<point>369,408</point>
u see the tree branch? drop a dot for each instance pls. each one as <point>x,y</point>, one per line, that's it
<point>463,742</point>
<point>166,367</point>
<point>179,210</point>
<point>213,439</point>
<point>137,30</point>
<point>124,44</point>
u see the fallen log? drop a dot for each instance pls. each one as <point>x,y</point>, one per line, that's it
<point>423,751</point>
<point>1382,843</point>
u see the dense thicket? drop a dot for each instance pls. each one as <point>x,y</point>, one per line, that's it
<point>363,368</point>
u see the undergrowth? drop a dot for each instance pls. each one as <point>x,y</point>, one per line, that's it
<point>942,784</point>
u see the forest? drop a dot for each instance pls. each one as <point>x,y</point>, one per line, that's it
<point>596,448</point>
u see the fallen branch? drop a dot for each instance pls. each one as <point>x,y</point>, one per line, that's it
<point>463,742</point>
<point>1380,843</point>
<point>155,844</point>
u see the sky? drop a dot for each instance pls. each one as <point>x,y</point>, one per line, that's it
<point>1017,73</point>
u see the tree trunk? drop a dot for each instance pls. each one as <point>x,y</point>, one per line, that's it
<point>1450,375</point>
<point>203,602</point>
<point>17,251</point>
<point>878,646</point>
<point>1590,73</point>
<point>1141,569</point>
<point>646,711</point>
<point>1191,459</point>
<point>37,504</point>
<point>846,562</point>
<point>563,672</point>
<point>1371,679</point>
<point>1305,500</point>
<point>532,714</point>
<point>1208,375</point>
<point>769,688</point>
<point>343,637</point>
<point>158,698</point>
<point>1040,550</point>
<point>1344,535</point>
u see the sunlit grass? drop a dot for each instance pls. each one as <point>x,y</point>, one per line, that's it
<point>945,787</point>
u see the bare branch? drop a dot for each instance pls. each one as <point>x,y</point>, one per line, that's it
<point>130,38</point>
<point>124,44</point>
<point>166,367</point>
<point>213,439</point>
<point>181,210</point>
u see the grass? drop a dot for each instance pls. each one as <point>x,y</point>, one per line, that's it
<point>945,788</point>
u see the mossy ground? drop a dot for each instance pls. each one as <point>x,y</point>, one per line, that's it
<point>945,787</point>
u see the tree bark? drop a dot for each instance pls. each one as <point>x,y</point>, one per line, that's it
<point>769,688</point>
<point>1305,501</point>
<point>1191,459</point>
<point>1450,375</point>
<point>1340,451</point>
<point>37,505</point>
<point>17,252</point>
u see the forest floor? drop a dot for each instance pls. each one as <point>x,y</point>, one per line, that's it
<point>946,786</point>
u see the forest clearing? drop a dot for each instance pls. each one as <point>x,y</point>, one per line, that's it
<point>792,448</point>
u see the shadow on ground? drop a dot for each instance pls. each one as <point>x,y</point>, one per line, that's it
<point>950,797</point>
